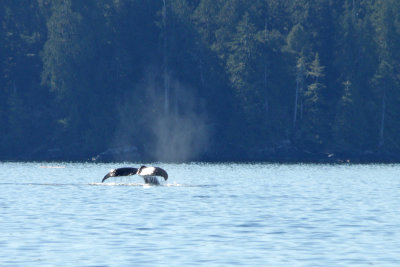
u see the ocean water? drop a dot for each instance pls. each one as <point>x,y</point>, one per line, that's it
<point>59,214</point>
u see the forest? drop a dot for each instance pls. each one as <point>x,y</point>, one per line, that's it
<point>200,80</point>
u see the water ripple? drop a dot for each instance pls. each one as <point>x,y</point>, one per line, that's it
<point>207,214</point>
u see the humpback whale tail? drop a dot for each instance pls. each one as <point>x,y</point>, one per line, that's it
<point>120,172</point>
<point>148,173</point>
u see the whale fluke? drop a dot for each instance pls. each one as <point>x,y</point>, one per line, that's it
<point>148,173</point>
<point>152,171</point>
<point>126,171</point>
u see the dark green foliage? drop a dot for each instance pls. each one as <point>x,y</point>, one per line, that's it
<point>252,77</point>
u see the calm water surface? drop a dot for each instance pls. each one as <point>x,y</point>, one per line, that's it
<point>206,214</point>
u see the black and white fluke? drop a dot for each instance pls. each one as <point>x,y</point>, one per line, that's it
<point>149,174</point>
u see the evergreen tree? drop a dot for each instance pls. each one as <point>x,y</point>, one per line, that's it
<point>66,56</point>
<point>23,101</point>
<point>386,80</point>
<point>314,131</point>
<point>298,44</point>
<point>242,66</point>
<point>345,134</point>
<point>348,121</point>
<point>300,79</point>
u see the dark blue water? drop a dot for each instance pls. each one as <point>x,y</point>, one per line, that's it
<point>206,214</point>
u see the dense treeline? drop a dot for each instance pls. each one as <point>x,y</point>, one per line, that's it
<point>200,79</point>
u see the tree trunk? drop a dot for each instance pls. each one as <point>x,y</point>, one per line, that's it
<point>266,72</point>
<point>299,86</point>
<point>296,101</point>
<point>382,128</point>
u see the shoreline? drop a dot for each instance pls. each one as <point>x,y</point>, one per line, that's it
<point>313,158</point>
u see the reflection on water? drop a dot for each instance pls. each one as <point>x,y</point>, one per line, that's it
<point>206,214</point>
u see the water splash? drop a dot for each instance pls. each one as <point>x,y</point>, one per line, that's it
<point>142,184</point>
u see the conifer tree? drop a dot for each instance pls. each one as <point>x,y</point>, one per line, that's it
<point>386,79</point>
<point>313,126</point>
